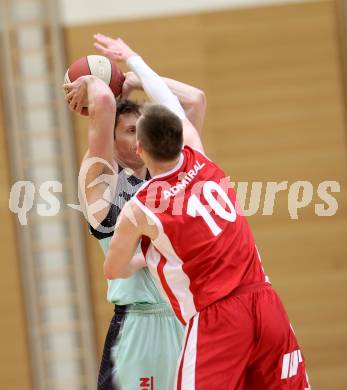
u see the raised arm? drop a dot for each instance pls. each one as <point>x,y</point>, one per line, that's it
<point>153,85</point>
<point>98,161</point>
<point>192,99</point>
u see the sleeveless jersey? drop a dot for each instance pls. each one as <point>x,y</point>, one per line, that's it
<point>205,248</point>
<point>140,287</point>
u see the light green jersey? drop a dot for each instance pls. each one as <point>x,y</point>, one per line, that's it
<point>139,288</point>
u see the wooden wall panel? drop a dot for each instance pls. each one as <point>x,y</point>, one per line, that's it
<point>275,113</point>
<point>14,358</point>
<point>280,98</point>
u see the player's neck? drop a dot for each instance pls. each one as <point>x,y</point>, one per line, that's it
<point>159,168</point>
<point>141,172</point>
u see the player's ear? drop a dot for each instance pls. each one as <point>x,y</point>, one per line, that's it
<point>139,148</point>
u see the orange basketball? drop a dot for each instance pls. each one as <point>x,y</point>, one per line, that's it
<point>100,67</point>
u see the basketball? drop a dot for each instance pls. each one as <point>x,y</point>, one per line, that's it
<point>100,67</point>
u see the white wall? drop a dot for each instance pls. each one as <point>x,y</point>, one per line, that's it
<point>90,11</point>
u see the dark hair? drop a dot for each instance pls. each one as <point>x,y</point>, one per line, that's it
<point>161,133</point>
<point>125,106</point>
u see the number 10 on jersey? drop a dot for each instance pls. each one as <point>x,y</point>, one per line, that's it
<point>195,207</point>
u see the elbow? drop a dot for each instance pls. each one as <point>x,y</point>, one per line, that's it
<point>111,271</point>
<point>199,99</point>
<point>104,101</point>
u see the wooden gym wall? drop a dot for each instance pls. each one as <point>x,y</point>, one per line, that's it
<point>14,357</point>
<point>273,81</point>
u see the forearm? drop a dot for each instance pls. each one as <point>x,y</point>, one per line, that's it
<point>114,268</point>
<point>102,112</point>
<point>136,263</point>
<point>122,258</point>
<point>154,86</point>
<point>98,92</point>
<point>193,101</point>
<point>98,190</point>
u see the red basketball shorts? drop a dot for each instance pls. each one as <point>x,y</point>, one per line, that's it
<point>243,342</point>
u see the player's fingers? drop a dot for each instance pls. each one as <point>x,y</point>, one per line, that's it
<point>77,102</point>
<point>80,102</point>
<point>129,76</point>
<point>125,92</point>
<point>103,49</point>
<point>107,39</point>
<point>75,107</point>
<point>73,102</point>
<point>100,48</point>
<point>100,38</point>
<point>69,96</point>
<point>79,107</point>
<point>67,87</point>
<point>99,42</point>
<point>71,107</point>
<point>106,52</point>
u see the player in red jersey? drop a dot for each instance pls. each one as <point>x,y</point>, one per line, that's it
<point>203,255</point>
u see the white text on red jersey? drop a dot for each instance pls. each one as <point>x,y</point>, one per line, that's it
<point>188,178</point>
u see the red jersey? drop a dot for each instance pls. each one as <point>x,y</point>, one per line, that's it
<point>205,248</point>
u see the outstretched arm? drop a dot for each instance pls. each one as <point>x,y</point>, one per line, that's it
<point>154,86</point>
<point>192,99</point>
<point>91,91</point>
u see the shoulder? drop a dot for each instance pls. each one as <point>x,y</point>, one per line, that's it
<point>191,136</point>
<point>133,214</point>
<point>192,155</point>
<point>136,219</point>
<point>141,191</point>
<point>141,219</point>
